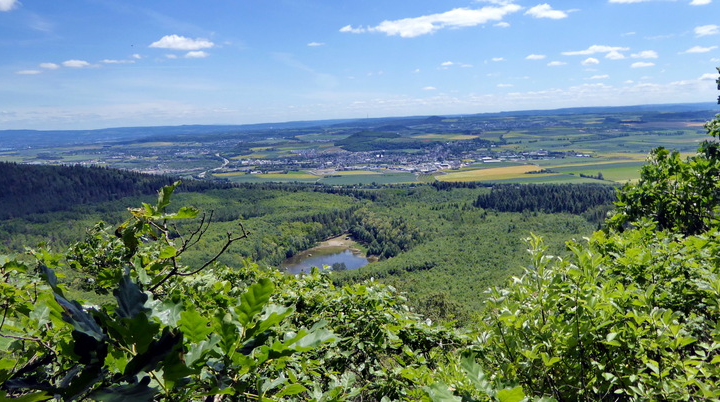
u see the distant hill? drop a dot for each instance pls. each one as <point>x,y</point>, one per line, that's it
<point>18,139</point>
<point>367,141</point>
<point>29,189</point>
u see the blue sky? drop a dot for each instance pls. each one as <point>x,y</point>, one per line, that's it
<point>106,63</point>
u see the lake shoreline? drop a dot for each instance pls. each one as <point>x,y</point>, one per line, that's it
<point>331,246</point>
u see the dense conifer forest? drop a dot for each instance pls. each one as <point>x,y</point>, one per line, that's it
<point>29,189</point>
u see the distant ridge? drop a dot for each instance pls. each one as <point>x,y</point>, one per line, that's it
<point>41,138</point>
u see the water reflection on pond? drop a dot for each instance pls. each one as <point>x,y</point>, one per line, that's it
<point>319,257</point>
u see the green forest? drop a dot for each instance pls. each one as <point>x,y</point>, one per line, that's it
<point>480,292</point>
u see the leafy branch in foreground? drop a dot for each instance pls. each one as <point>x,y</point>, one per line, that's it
<point>146,344</point>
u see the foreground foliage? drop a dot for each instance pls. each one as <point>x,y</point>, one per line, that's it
<point>179,333</point>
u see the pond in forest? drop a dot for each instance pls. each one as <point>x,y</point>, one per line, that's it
<point>340,257</point>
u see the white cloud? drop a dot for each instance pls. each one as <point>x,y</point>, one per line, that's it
<point>28,72</point>
<point>136,56</point>
<point>590,61</point>
<point>49,66</point>
<point>350,29</point>
<point>599,77</point>
<point>447,63</point>
<point>556,63</point>
<point>7,5</point>
<point>535,57</point>
<point>171,56</point>
<point>708,77</point>
<point>645,54</point>
<point>614,55</point>
<point>502,24</point>
<point>429,88</point>
<point>705,30</point>
<point>455,18</point>
<point>111,61</point>
<point>700,2</point>
<point>641,64</point>
<point>415,71</point>
<point>596,49</point>
<point>700,49</point>
<point>546,11</point>
<point>76,63</point>
<point>498,59</point>
<point>196,54</point>
<point>315,44</point>
<point>176,42</point>
<point>504,85</point>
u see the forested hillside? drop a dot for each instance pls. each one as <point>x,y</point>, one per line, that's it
<point>29,189</point>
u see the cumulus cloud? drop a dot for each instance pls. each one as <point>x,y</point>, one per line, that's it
<point>429,88</point>
<point>599,77</point>
<point>556,63</point>
<point>590,61</point>
<point>196,54</point>
<point>708,77</point>
<point>136,56</point>
<point>176,42</point>
<point>112,61</point>
<point>7,5</point>
<point>641,64</point>
<point>545,11</point>
<point>447,63</point>
<point>596,49</point>
<point>350,29</point>
<point>700,49</point>
<point>315,44</point>
<point>614,55</point>
<point>76,63</point>
<point>535,57</point>
<point>705,30</point>
<point>502,24</point>
<point>700,2</point>
<point>427,24</point>
<point>49,66</point>
<point>504,85</point>
<point>645,54</point>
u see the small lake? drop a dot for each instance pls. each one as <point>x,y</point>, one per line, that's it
<point>321,256</point>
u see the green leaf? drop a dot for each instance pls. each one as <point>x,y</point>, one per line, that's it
<point>292,389</point>
<point>474,373</point>
<point>164,197</point>
<point>183,213</point>
<point>131,301</point>
<point>511,395</point>
<point>155,353</point>
<point>312,339</point>
<point>167,311</point>
<point>80,320</point>
<point>253,300</point>
<point>440,392</point>
<point>168,252</point>
<point>194,326</point>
